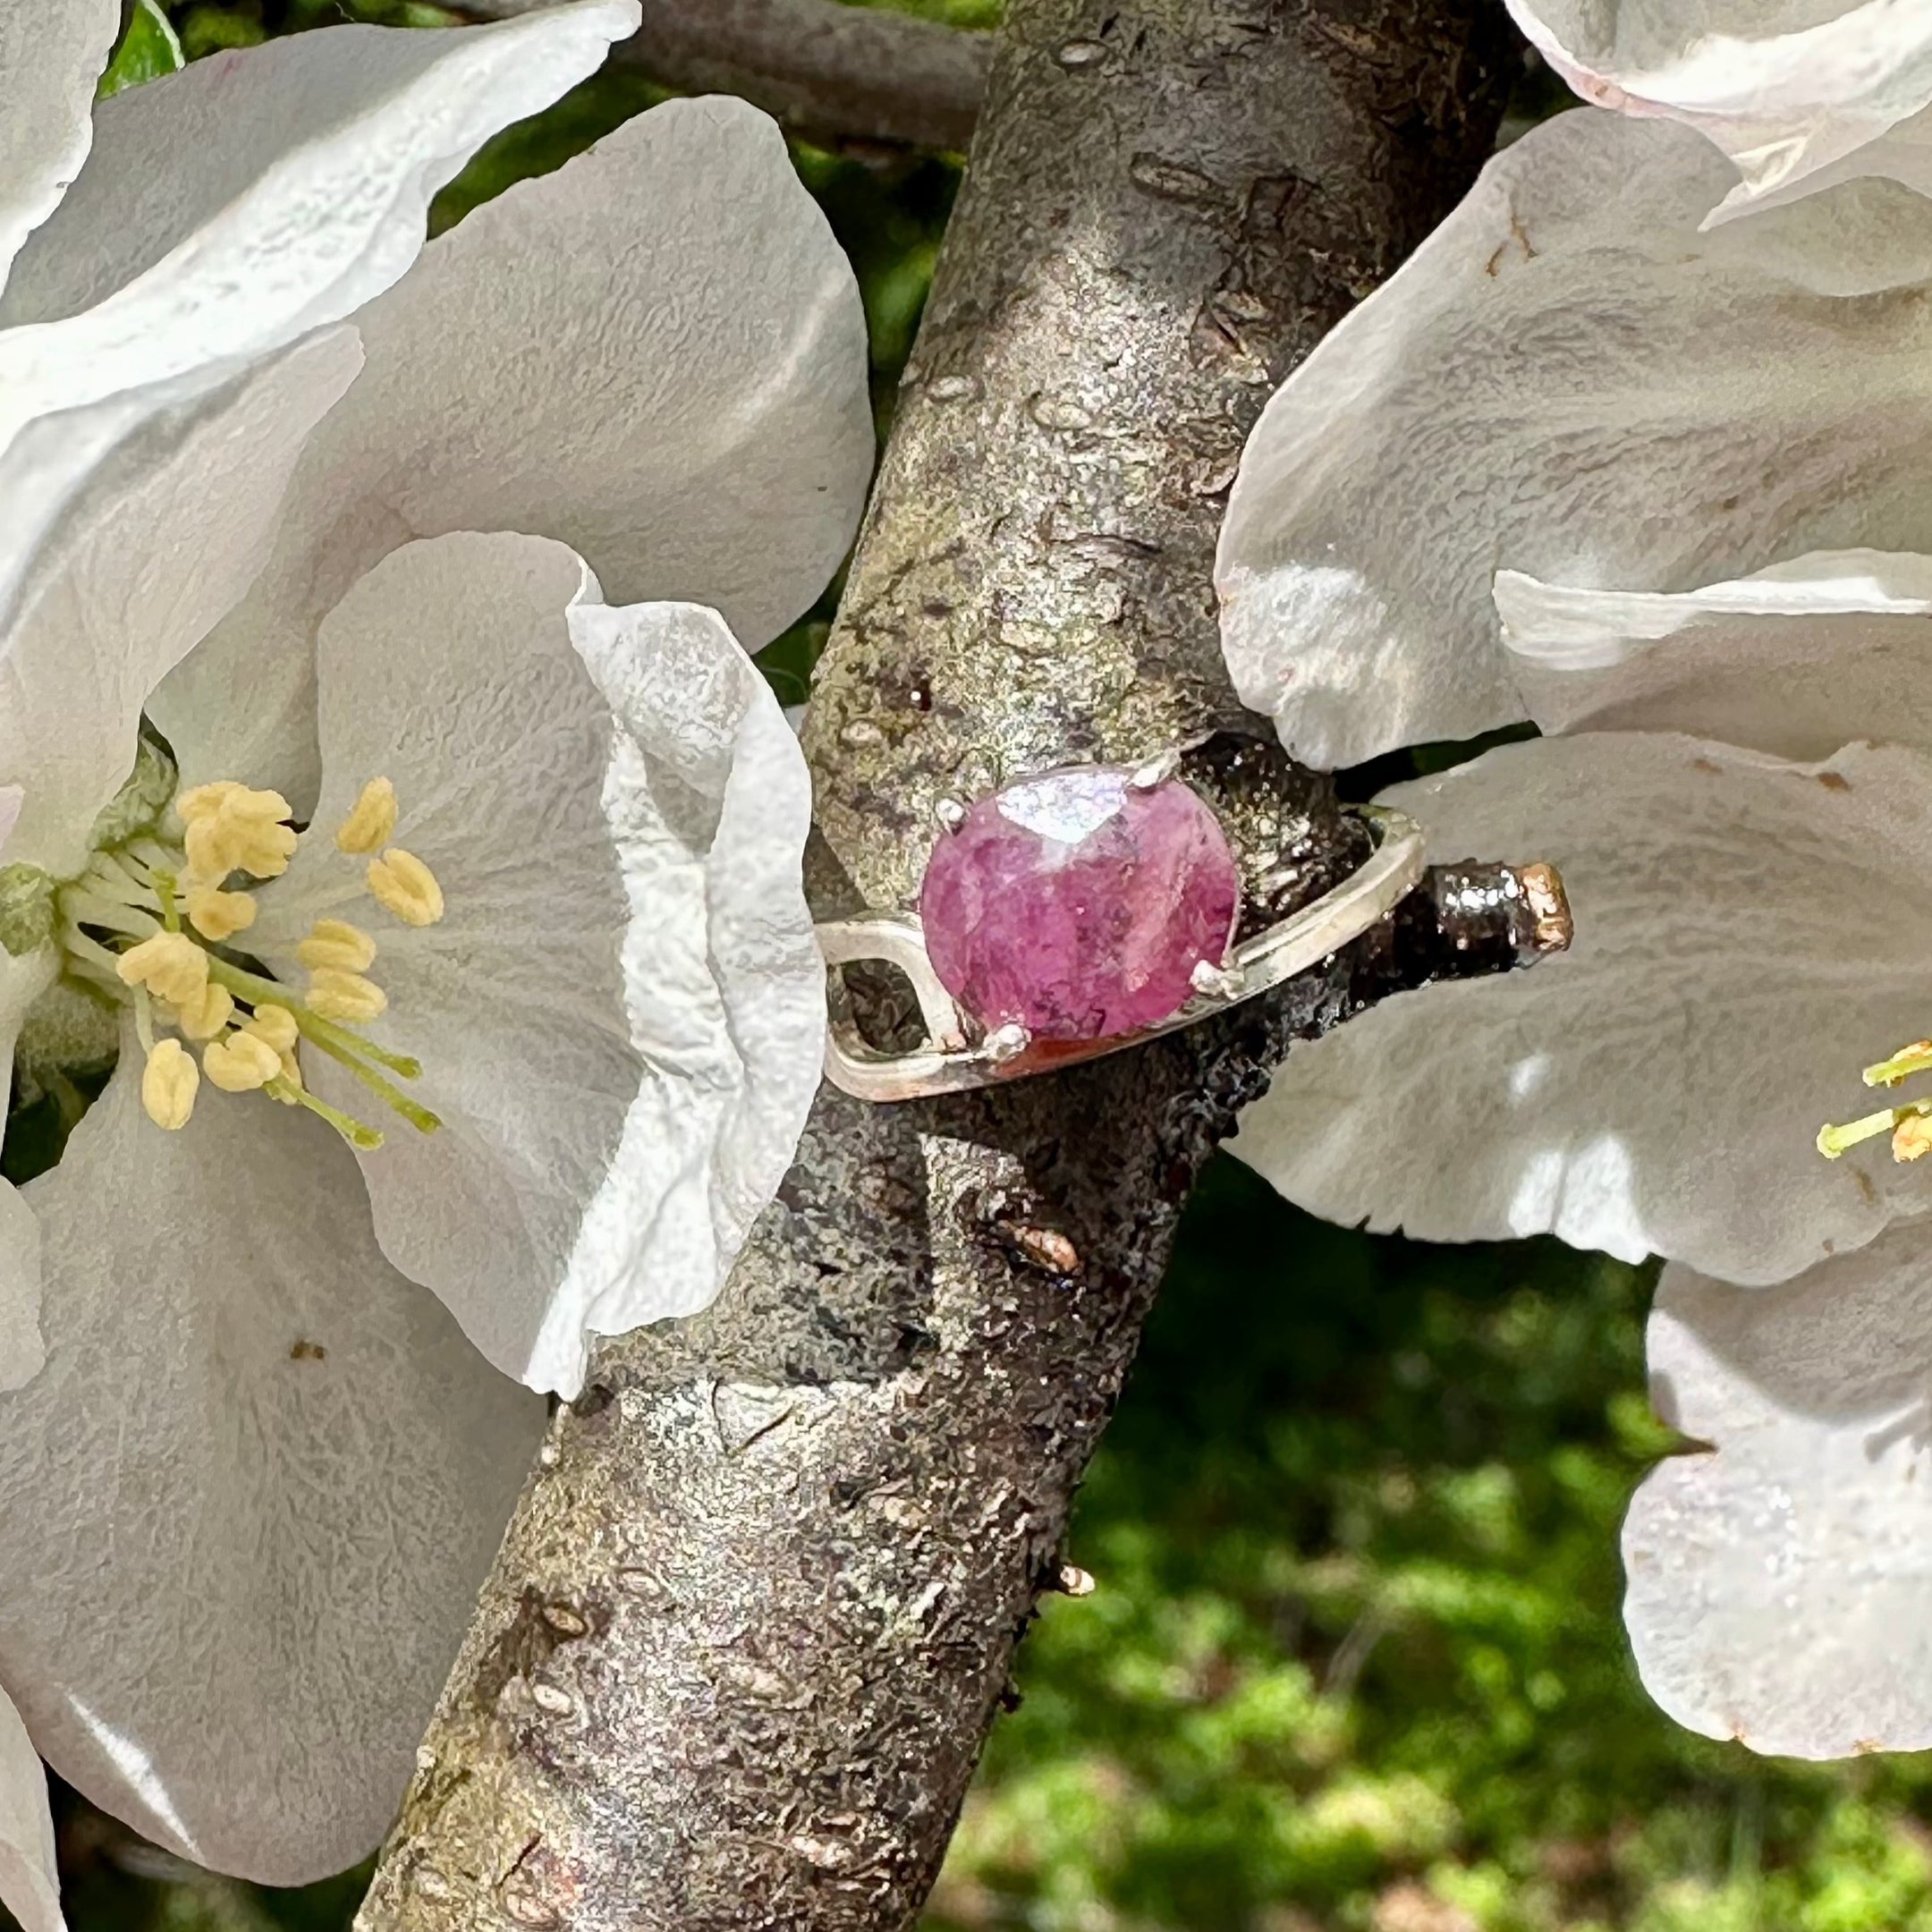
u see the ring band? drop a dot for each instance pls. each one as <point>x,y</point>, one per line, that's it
<point>952,1060</point>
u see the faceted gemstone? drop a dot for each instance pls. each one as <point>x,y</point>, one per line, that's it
<point>1077,904</point>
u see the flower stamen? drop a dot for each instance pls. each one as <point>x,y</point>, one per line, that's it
<point>169,1082</point>
<point>346,996</point>
<point>217,915</point>
<point>363,1138</point>
<point>206,1018</point>
<point>405,886</point>
<point>371,820</point>
<point>240,1063</point>
<point>336,945</point>
<point>169,965</point>
<point>1909,1125</point>
<point>149,921</point>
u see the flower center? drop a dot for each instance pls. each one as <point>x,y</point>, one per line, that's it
<point>151,922</point>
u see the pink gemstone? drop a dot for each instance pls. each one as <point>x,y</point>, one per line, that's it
<point>1077,904</point>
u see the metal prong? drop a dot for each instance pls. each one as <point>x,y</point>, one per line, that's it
<point>1007,1042</point>
<point>1155,771</point>
<point>951,813</point>
<point>1218,982</point>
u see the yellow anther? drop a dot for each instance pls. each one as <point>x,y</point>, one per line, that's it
<point>336,945</point>
<point>225,841</point>
<point>291,1071</point>
<point>219,915</point>
<point>170,965</point>
<point>203,800</point>
<point>203,1019</point>
<point>403,884</point>
<point>346,996</point>
<point>275,1024</point>
<point>168,1084</point>
<point>372,819</point>
<point>240,1063</point>
<point>1911,1138</point>
<point>266,808</point>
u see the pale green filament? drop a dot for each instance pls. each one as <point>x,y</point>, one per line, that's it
<point>365,1139</point>
<point>134,895</point>
<point>1832,1141</point>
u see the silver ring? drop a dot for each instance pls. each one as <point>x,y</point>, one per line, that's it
<point>957,1054</point>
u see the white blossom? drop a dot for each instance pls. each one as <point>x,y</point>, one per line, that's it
<point>1658,486</point>
<point>453,560</point>
<point>1798,93</point>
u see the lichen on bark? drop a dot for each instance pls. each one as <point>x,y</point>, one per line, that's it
<point>760,1602</point>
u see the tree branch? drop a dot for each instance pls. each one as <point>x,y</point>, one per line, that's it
<point>760,1602</point>
<point>827,69</point>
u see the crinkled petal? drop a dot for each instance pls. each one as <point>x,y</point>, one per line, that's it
<point>1750,934</point>
<point>30,1881</point>
<point>1778,1591</point>
<point>656,354</point>
<point>166,536</point>
<point>51,55</point>
<point>22,980</point>
<point>1785,89</point>
<point>1798,659</point>
<point>245,1507</point>
<point>228,209</point>
<point>1568,380</point>
<point>621,1015</point>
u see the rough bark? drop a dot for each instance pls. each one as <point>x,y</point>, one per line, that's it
<point>759,1601</point>
<point>831,72</point>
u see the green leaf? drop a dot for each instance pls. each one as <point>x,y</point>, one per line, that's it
<point>148,48</point>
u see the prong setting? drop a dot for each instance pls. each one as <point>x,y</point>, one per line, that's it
<point>1156,771</point>
<point>1226,983</point>
<point>1007,1043</point>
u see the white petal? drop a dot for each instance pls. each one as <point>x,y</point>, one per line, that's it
<point>1750,934</point>
<point>22,980</point>
<point>1786,90</point>
<point>656,354</point>
<point>22,1353</point>
<point>1568,380</point>
<point>167,534</point>
<point>1798,659</point>
<point>229,208</point>
<point>1778,1585</point>
<point>30,1882</point>
<point>620,1016</point>
<point>50,57</point>
<point>245,1507</point>
<point>251,198</point>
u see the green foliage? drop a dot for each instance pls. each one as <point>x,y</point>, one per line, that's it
<point>1355,1658</point>
<point>148,48</point>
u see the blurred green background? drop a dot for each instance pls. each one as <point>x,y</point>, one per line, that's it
<point>1352,1662</point>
